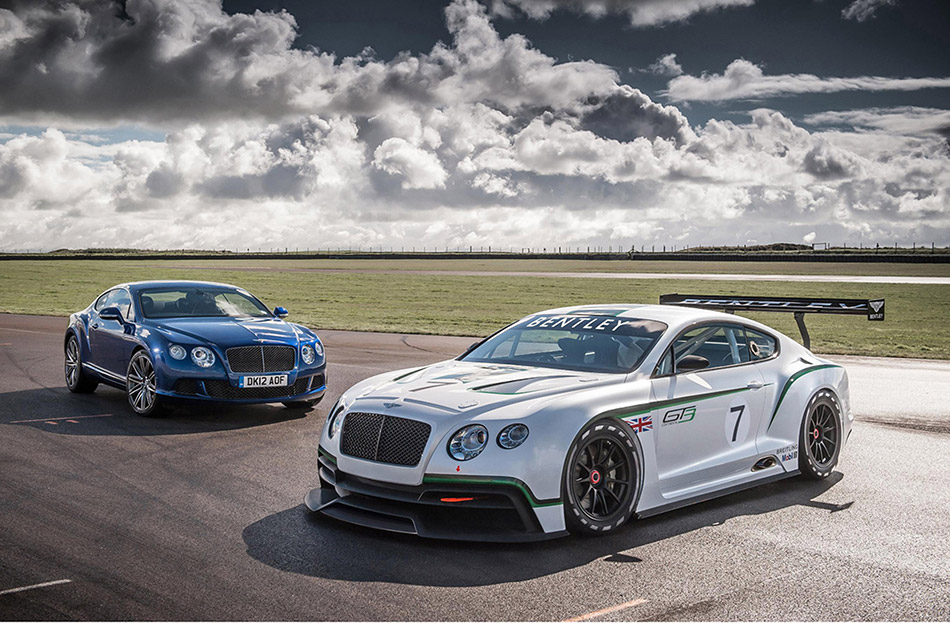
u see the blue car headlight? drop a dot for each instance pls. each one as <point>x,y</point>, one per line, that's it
<point>177,352</point>
<point>203,357</point>
<point>318,348</point>
<point>308,354</point>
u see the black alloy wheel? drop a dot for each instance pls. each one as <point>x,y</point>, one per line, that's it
<point>602,480</point>
<point>820,437</point>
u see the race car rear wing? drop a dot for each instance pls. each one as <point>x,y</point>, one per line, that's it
<point>873,309</point>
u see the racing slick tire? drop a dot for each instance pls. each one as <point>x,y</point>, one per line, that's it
<point>601,479</point>
<point>140,386</point>
<point>819,440</point>
<point>77,381</point>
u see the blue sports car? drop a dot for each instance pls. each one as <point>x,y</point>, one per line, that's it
<point>167,340</point>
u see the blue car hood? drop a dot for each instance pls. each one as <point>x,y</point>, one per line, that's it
<point>228,332</point>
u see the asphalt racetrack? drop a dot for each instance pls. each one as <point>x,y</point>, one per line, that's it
<point>105,515</point>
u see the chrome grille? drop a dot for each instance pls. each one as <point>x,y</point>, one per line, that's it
<point>261,358</point>
<point>384,438</point>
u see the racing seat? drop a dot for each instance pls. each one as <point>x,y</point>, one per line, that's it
<point>573,349</point>
<point>148,305</point>
<point>628,352</point>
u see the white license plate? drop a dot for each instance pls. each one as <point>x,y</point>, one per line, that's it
<point>263,380</point>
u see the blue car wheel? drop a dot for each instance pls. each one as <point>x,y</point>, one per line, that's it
<point>77,381</point>
<point>140,386</point>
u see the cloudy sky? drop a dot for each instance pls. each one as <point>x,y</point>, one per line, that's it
<point>316,123</point>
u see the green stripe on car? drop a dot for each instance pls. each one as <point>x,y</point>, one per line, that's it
<point>792,379</point>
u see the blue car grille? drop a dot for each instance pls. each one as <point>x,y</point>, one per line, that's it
<point>384,438</point>
<point>223,390</point>
<point>244,359</point>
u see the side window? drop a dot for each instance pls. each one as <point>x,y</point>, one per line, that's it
<point>123,301</point>
<point>101,301</point>
<point>720,345</point>
<point>760,345</point>
<point>665,367</point>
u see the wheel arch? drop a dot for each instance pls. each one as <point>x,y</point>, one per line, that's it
<point>782,424</point>
<point>622,426</point>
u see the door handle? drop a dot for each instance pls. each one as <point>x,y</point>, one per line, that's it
<point>755,385</point>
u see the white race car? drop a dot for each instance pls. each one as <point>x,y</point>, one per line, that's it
<point>581,418</point>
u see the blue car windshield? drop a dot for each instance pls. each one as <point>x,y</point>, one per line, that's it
<point>573,342</point>
<point>199,302</point>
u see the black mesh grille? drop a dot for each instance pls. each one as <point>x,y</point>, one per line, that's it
<point>261,358</point>
<point>225,391</point>
<point>186,387</point>
<point>384,438</point>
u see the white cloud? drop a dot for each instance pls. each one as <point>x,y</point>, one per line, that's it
<point>418,167</point>
<point>484,141</point>
<point>666,66</point>
<point>906,120</point>
<point>862,10</point>
<point>639,12</point>
<point>743,80</point>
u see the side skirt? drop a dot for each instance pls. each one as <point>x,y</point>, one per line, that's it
<point>712,495</point>
<point>108,377</point>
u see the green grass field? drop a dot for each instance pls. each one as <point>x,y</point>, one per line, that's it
<point>917,325</point>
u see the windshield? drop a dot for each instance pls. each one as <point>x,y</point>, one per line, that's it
<point>573,342</point>
<point>200,301</point>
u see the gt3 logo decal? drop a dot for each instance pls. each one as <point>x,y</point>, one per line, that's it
<point>640,424</point>
<point>679,416</point>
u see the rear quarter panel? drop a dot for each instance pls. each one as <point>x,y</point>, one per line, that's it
<point>797,383</point>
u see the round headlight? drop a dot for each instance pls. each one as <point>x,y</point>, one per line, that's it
<point>203,357</point>
<point>177,352</point>
<point>468,442</point>
<point>307,354</point>
<point>336,420</point>
<point>318,347</point>
<point>512,436</point>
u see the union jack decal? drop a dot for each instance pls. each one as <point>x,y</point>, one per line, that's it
<point>640,424</point>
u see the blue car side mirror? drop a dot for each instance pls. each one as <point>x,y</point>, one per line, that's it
<point>111,313</point>
<point>281,312</point>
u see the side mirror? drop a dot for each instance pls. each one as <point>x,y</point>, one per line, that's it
<point>281,312</point>
<point>111,313</point>
<point>691,363</point>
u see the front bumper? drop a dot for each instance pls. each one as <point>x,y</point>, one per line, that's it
<point>307,386</point>
<point>470,511</point>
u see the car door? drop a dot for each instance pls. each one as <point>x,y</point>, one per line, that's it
<point>98,336</point>
<point>706,421</point>
<point>112,338</point>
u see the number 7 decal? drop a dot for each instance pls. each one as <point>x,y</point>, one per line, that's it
<point>735,431</point>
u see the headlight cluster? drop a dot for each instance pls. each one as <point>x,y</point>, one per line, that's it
<point>335,422</point>
<point>202,356</point>
<point>310,352</point>
<point>512,436</point>
<point>469,441</point>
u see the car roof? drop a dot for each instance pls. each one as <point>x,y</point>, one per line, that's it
<point>674,316</point>
<point>139,285</point>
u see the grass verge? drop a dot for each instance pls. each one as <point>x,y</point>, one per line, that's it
<point>916,326</point>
